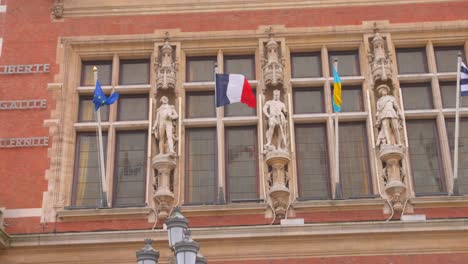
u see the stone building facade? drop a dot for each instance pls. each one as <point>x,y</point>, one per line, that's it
<point>237,173</point>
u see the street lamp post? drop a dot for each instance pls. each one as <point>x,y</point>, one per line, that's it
<point>186,250</point>
<point>180,241</point>
<point>147,255</point>
<point>176,226</point>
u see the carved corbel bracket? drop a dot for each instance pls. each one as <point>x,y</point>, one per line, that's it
<point>57,9</point>
<point>394,176</point>
<point>163,196</point>
<point>278,181</point>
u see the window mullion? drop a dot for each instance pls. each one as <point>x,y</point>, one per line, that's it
<point>445,152</point>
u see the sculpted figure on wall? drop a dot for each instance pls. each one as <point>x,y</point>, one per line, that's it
<point>275,111</point>
<point>164,127</point>
<point>166,68</point>
<point>389,118</point>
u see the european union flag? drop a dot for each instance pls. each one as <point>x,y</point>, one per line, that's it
<point>100,98</point>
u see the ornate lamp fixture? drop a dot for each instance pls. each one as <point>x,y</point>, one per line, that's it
<point>147,255</point>
<point>177,224</point>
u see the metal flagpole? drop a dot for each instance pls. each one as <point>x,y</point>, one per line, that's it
<point>104,202</point>
<point>457,128</point>
<point>338,193</point>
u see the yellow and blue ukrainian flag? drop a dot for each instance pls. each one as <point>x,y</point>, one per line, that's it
<point>336,92</point>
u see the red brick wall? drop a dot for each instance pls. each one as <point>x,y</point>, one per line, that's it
<point>30,37</point>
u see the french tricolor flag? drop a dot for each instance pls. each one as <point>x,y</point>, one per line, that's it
<point>464,80</point>
<point>234,88</point>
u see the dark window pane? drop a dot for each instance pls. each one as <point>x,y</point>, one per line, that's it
<point>308,100</point>
<point>134,72</point>
<point>241,163</point>
<point>348,63</point>
<point>312,161</point>
<point>411,60</point>
<point>201,104</point>
<point>201,182</point>
<point>417,96</point>
<point>304,65</point>
<point>239,109</point>
<point>462,150</point>
<point>352,99</point>
<point>87,113</point>
<point>133,107</point>
<point>424,156</point>
<point>130,169</point>
<point>200,69</point>
<point>447,57</point>
<point>447,90</point>
<point>87,184</point>
<point>104,72</point>
<point>240,65</point>
<point>354,160</point>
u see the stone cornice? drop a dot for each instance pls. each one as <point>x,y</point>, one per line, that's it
<point>328,230</point>
<point>86,8</point>
<point>94,214</point>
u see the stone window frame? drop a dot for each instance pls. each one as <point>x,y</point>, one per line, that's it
<point>63,123</point>
<point>438,113</point>
<point>325,82</point>
<point>220,121</point>
<point>113,125</point>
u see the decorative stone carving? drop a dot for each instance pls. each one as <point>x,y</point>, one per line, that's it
<point>273,63</point>
<point>57,9</point>
<point>393,175</point>
<point>276,112</point>
<point>380,62</point>
<point>388,118</point>
<point>165,160</point>
<point>164,127</point>
<point>278,181</point>
<point>163,185</point>
<point>166,67</point>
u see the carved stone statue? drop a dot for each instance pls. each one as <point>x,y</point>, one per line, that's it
<point>57,9</point>
<point>273,64</point>
<point>166,68</point>
<point>164,127</point>
<point>389,118</point>
<point>275,111</point>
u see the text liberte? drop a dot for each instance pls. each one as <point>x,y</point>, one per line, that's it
<point>24,142</point>
<point>24,68</point>
<point>23,104</point>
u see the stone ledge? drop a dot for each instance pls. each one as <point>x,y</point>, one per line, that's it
<point>224,209</point>
<point>439,201</point>
<point>350,204</point>
<point>100,214</point>
<point>249,232</point>
<point>86,8</point>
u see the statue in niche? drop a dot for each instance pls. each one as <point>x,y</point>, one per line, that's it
<point>273,63</point>
<point>164,127</point>
<point>389,118</point>
<point>275,111</point>
<point>166,68</point>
